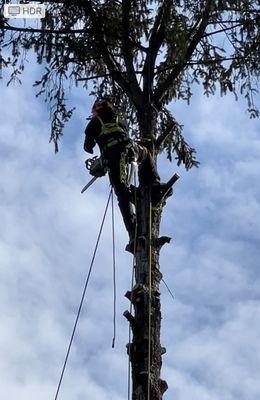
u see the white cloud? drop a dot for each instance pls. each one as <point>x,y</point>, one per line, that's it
<point>48,233</point>
<point>222,362</point>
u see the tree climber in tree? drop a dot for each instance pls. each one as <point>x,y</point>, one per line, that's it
<point>117,150</point>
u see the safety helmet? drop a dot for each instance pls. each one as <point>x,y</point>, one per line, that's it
<point>101,103</point>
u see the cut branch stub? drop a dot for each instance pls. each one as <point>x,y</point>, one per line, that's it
<point>161,241</point>
<point>131,319</point>
<point>163,191</point>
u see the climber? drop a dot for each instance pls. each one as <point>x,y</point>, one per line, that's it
<point>117,150</point>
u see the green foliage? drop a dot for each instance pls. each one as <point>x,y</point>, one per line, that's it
<point>142,54</point>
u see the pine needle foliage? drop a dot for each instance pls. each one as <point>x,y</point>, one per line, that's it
<point>143,55</point>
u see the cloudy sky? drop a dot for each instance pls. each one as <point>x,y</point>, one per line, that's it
<point>48,231</point>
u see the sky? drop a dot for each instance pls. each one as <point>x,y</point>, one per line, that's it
<point>211,329</point>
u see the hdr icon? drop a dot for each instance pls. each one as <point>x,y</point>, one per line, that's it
<point>28,10</point>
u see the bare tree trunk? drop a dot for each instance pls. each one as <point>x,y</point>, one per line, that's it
<point>145,297</point>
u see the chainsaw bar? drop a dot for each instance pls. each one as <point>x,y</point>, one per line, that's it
<point>89,184</point>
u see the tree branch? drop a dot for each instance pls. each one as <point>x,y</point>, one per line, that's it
<point>155,42</point>
<point>105,75</point>
<point>168,82</point>
<point>242,10</point>
<point>127,49</point>
<point>89,78</point>
<point>8,27</point>
<point>204,62</point>
<point>161,138</point>
<point>109,60</point>
<point>222,30</point>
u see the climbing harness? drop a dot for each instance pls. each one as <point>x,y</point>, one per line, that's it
<point>113,134</point>
<point>123,168</point>
<point>83,296</point>
<point>107,128</point>
<point>97,166</point>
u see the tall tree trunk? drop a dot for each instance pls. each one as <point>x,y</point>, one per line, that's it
<point>145,351</point>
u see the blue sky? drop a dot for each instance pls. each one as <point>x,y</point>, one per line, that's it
<point>212,328</point>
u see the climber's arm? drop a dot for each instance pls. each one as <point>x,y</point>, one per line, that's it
<point>91,133</point>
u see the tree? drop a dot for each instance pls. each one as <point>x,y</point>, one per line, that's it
<point>142,54</point>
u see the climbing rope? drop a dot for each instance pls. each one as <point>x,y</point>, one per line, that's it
<point>82,297</point>
<point>131,299</point>
<point>169,290</point>
<point>114,268</point>
<point>150,297</point>
<point>130,334</point>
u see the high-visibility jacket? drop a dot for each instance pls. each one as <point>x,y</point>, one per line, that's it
<point>106,130</point>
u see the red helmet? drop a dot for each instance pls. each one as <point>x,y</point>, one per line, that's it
<point>102,103</point>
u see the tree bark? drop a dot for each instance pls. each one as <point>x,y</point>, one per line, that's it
<point>145,351</point>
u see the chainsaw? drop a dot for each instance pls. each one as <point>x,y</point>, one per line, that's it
<point>97,168</point>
